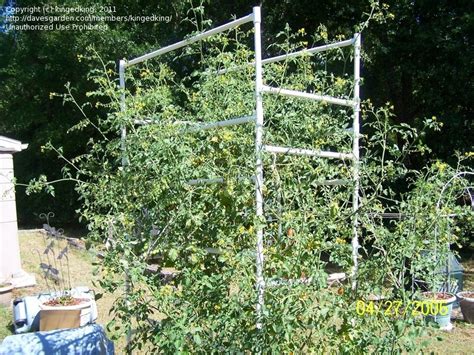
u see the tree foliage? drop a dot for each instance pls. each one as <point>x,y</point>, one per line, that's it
<point>418,56</point>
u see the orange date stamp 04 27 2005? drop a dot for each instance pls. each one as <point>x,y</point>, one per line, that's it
<point>398,308</point>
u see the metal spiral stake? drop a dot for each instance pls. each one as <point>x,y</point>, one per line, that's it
<point>46,217</point>
<point>436,231</point>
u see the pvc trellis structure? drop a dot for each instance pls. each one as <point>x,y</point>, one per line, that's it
<point>258,118</point>
<point>458,175</point>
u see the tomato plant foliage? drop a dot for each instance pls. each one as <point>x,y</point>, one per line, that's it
<point>138,196</point>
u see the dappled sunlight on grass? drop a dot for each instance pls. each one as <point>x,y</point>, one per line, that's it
<point>81,275</point>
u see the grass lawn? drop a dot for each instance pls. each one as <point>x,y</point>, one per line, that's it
<point>5,316</point>
<point>458,341</point>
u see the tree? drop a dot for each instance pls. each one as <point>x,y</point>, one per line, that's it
<point>34,65</point>
<point>419,57</point>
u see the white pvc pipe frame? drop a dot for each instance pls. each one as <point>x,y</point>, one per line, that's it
<point>458,175</point>
<point>258,118</point>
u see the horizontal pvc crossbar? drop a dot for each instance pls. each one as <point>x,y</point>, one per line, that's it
<point>218,180</point>
<point>142,122</point>
<point>275,282</point>
<point>302,52</point>
<point>288,282</point>
<point>388,215</point>
<point>191,40</point>
<point>307,152</point>
<point>313,50</point>
<point>307,95</point>
<point>203,127</point>
<point>231,122</point>
<point>214,251</point>
<point>333,182</point>
<point>149,121</point>
<point>205,181</point>
<point>396,215</point>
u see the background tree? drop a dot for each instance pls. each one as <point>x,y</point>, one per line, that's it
<point>420,59</point>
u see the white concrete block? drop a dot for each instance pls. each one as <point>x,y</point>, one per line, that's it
<point>9,250</point>
<point>6,175</point>
<point>6,161</point>
<point>7,211</point>
<point>7,192</point>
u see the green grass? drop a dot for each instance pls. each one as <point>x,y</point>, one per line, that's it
<point>459,341</point>
<point>5,322</point>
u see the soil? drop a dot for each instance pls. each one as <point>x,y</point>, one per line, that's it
<point>437,295</point>
<point>65,301</point>
<point>468,294</point>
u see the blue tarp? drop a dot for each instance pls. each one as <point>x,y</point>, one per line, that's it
<point>86,340</point>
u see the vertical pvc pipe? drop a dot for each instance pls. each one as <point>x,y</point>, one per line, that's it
<point>123,130</point>
<point>356,167</point>
<point>260,282</point>
<point>123,137</point>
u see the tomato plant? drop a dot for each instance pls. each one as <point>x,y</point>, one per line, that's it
<point>148,211</point>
